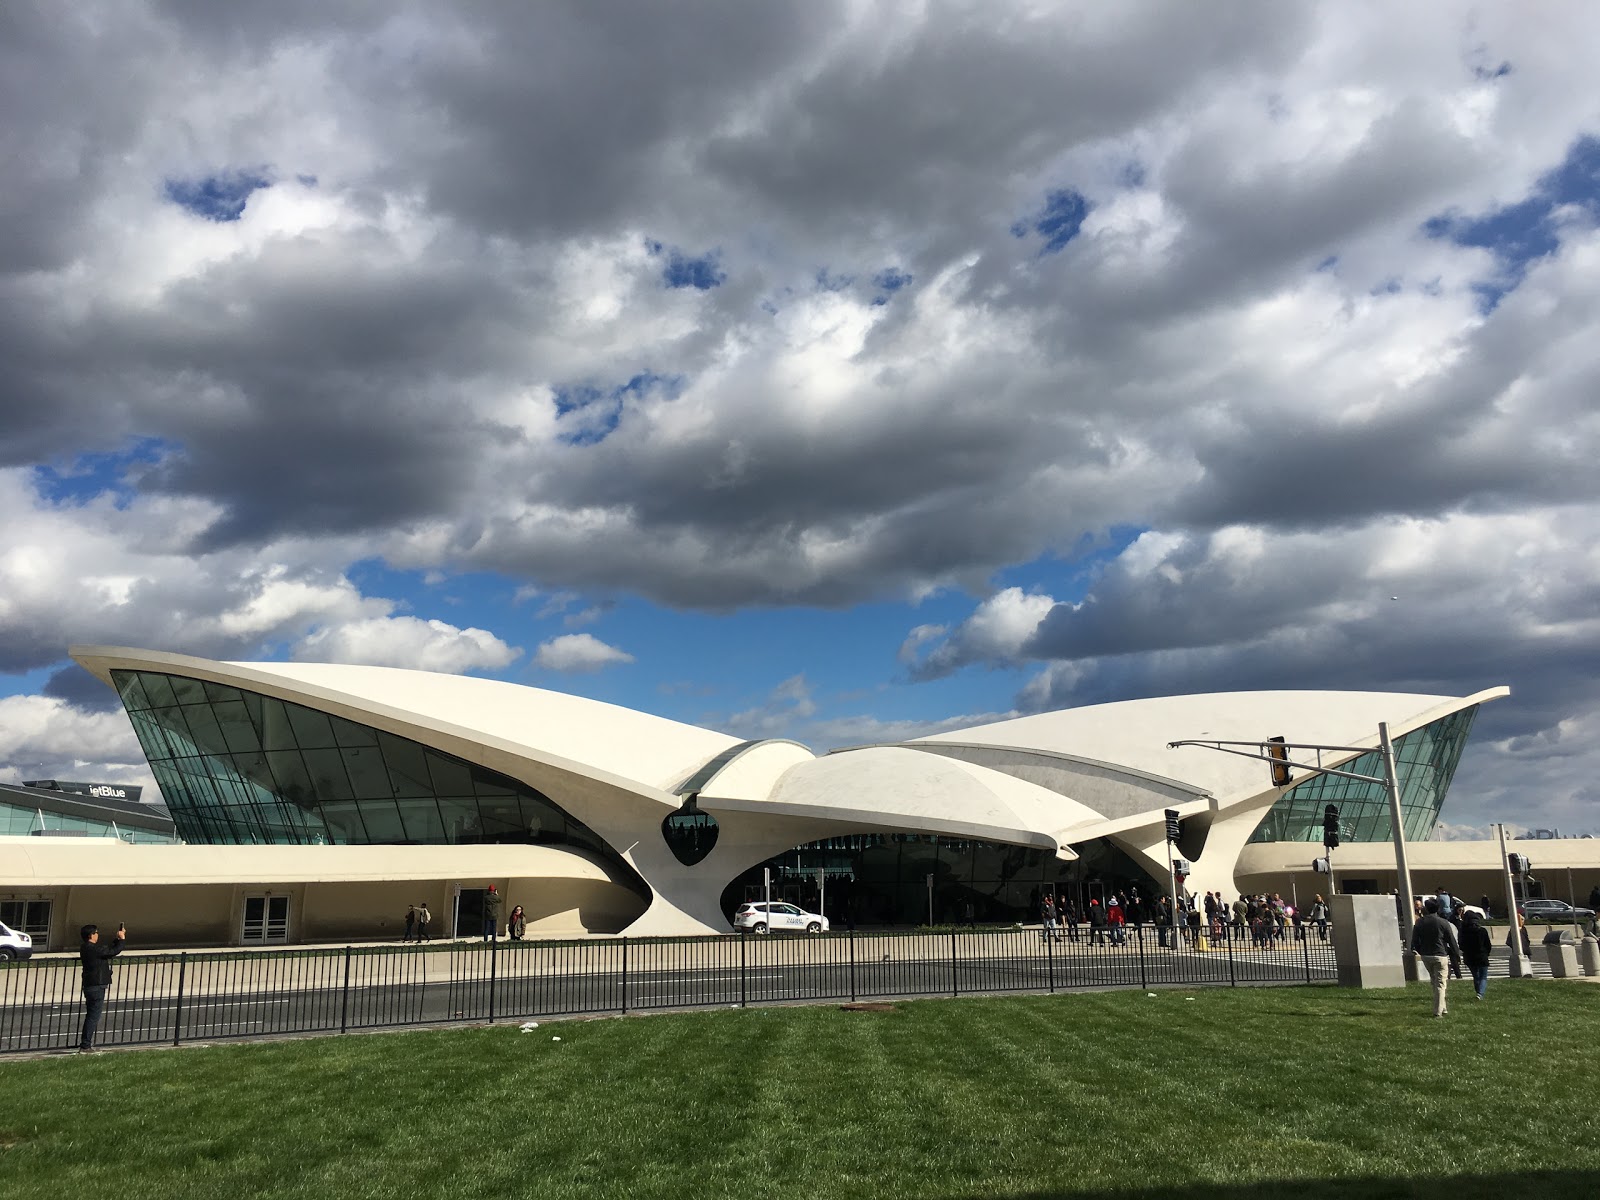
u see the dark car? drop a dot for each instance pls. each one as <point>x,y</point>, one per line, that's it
<point>1554,912</point>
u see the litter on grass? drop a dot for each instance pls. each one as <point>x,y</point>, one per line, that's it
<point>529,1026</point>
<point>555,1039</point>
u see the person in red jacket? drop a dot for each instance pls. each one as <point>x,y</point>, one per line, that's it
<point>1117,921</point>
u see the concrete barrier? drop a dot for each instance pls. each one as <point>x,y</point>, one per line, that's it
<point>1366,942</point>
<point>1589,956</point>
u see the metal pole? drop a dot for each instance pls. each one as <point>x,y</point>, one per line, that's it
<point>822,892</point>
<point>1402,867</point>
<point>344,996</point>
<point>852,933</point>
<point>930,899</point>
<point>1515,940</point>
<point>494,961</point>
<point>1172,881</point>
<point>625,966</point>
<point>177,1012</point>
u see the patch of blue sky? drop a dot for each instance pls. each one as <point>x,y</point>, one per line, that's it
<point>1330,263</point>
<point>707,668</point>
<point>1521,233</point>
<point>829,282</point>
<point>889,281</point>
<point>589,414</point>
<point>701,272</point>
<point>1485,73</point>
<point>306,180</point>
<point>1058,222</point>
<point>83,477</point>
<point>30,683</point>
<point>1133,174</point>
<point>221,196</point>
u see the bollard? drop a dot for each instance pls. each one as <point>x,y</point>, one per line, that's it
<point>1589,955</point>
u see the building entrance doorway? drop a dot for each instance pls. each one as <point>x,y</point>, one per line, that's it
<point>266,921</point>
<point>469,912</point>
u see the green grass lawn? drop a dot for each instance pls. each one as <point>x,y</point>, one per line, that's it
<point>1307,1093</point>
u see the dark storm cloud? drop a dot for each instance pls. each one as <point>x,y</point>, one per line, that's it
<point>81,690</point>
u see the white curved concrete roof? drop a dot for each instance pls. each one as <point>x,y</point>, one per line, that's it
<point>904,788</point>
<point>622,742</point>
<point>1135,733</point>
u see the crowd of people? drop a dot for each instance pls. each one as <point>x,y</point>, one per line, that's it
<point>1266,922</point>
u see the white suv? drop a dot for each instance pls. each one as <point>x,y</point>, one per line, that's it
<point>14,944</point>
<point>756,917</point>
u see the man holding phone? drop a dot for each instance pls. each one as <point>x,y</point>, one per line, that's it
<point>96,979</point>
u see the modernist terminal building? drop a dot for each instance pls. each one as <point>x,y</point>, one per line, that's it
<point>315,802</point>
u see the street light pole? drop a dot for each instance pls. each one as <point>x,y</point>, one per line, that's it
<point>1515,940</point>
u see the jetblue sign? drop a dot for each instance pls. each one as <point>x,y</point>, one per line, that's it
<point>106,792</point>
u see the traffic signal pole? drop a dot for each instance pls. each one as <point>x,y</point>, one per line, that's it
<point>1276,750</point>
<point>1402,865</point>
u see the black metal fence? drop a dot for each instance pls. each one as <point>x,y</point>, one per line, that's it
<point>205,996</point>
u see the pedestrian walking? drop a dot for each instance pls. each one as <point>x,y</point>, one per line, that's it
<point>1319,914</point>
<point>424,919</point>
<point>1097,924</point>
<point>1433,940</point>
<point>1475,951</point>
<point>516,924</point>
<point>96,958</point>
<point>411,923</point>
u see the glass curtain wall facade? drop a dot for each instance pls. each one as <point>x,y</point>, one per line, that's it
<point>1425,760</point>
<point>236,767</point>
<point>882,879</point>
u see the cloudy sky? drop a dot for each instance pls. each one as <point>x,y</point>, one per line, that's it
<point>826,370</point>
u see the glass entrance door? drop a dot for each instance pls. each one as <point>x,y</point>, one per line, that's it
<point>266,920</point>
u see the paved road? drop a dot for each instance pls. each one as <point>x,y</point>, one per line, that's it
<point>132,1019</point>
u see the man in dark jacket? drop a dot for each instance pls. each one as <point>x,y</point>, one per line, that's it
<point>1433,940</point>
<point>96,979</point>
<point>1475,949</point>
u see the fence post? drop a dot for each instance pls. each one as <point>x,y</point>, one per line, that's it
<point>494,971</point>
<point>852,964</point>
<point>1233,980</point>
<point>344,995</point>
<point>1144,984</point>
<point>955,970</point>
<point>624,974</point>
<point>177,1012</point>
<point>1305,951</point>
<point>742,936</point>
<point>1049,958</point>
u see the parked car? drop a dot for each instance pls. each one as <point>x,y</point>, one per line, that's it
<point>1554,912</point>
<point>14,944</point>
<point>756,917</point>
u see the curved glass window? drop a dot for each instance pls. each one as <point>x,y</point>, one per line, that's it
<point>238,767</point>
<point>689,833</point>
<point>1425,759</point>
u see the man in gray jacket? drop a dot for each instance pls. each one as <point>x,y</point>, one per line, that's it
<point>1433,940</point>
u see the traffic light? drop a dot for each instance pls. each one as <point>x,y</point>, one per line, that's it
<point>1172,824</point>
<point>1519,864</point>
<point>1279,754</point>
<point>1330,826</point>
